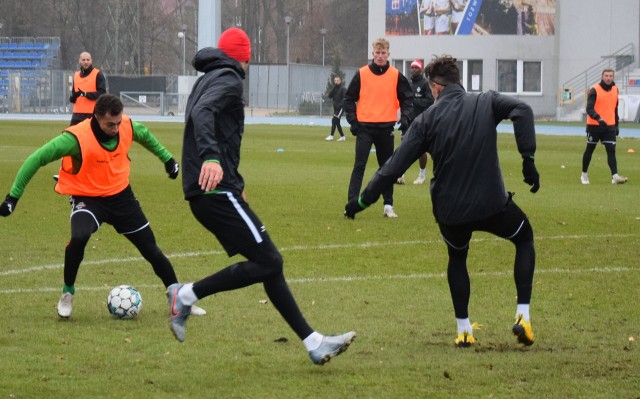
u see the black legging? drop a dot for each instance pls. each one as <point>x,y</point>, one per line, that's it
<point>83,225</point>
<point>611,156</point>
<point>524,263</point>
<point>335,121</point>
<point>383,140</point>
<point>460,285</point>
<point>264,265</point>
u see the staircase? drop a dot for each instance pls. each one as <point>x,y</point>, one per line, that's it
<point>573,92</point>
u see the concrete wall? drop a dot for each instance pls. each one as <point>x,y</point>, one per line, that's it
<point>586,30</point>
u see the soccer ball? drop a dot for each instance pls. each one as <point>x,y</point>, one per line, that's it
<point>124,302</point>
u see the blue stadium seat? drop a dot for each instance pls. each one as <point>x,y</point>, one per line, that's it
<point>29,60</point>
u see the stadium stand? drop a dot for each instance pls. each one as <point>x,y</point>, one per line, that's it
<point>24,63</point>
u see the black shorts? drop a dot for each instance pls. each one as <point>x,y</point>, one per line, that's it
<point>121,210</point>
<point>230,219</point>
<point>608,137</point>
<point>510,224</point>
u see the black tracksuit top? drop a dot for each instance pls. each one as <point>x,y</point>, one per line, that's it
<point>214,122</point>
<point>459,132</point>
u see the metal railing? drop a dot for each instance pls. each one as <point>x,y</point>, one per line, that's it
<point>572,93</point>
<point>618,61</point>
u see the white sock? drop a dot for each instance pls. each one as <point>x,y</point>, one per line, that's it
<point>584,174</point>
<point>523,309</point>
<point>423,172</point>
<point>313,341</point>
<point>464,325</point>
<point>614,176</point>
<point>186,294</point>
<point>387,207</point>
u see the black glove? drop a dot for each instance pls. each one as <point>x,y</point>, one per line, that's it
<point>74,96</point>
<point>355,128</point>
<point>8,205</point>
<point>530,173</point>
<point>601,122</point>
<point>617,129</point>
<point>172,167</point>
<point>404,125</point>
<point>352,208</point>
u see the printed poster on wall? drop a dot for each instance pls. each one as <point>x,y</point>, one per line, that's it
<point>470,17</point>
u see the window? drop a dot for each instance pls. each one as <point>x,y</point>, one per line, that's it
<point>507,76</point>
<point>473,81</point>
<point>404,66</point>
<point>532,74</point>
<point>520,76</point>
<point>470,72</point>
<point>400,64</point>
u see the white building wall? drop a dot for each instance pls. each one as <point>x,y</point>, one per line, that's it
<point>591,29</point>
<point>586,30</point>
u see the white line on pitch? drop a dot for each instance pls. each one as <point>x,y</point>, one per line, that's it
<point>301,248</point>
<point>413,276</point>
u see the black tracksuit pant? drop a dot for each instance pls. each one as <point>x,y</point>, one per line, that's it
<point>383,139</point>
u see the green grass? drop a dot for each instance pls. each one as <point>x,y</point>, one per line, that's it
<point>383,278</point>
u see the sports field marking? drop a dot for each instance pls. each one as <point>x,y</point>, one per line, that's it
<point>414,276</point>
<point>302,248</point>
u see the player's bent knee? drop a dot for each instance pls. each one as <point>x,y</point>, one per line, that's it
<point>273,263</point>
<point>455,252</point>
<point>525,234</point>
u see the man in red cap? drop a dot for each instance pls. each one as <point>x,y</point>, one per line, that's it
<point>214,125</point>
<point>422,100</point>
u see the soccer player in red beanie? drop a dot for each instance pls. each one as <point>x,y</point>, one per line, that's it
<point>214,125</point>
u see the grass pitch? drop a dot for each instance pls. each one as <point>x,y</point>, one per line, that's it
<point>383,278</point>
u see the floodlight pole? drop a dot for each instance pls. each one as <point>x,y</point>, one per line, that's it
<point>182,36</point>
<point>323,32</point>
<point>288,20</point>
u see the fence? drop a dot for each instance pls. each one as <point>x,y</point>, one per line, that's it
<point>288,88</point>
<point>293,88</point>
<point>153,103</point>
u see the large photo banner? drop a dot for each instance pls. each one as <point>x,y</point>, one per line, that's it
<point>470,17</point>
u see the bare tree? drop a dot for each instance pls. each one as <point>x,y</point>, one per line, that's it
<point>152,47</point>
<point>348,34</point>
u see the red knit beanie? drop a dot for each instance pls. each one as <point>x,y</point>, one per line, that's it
<point>235,43</point>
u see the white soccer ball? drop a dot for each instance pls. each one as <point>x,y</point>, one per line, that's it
<point>124,302</point>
